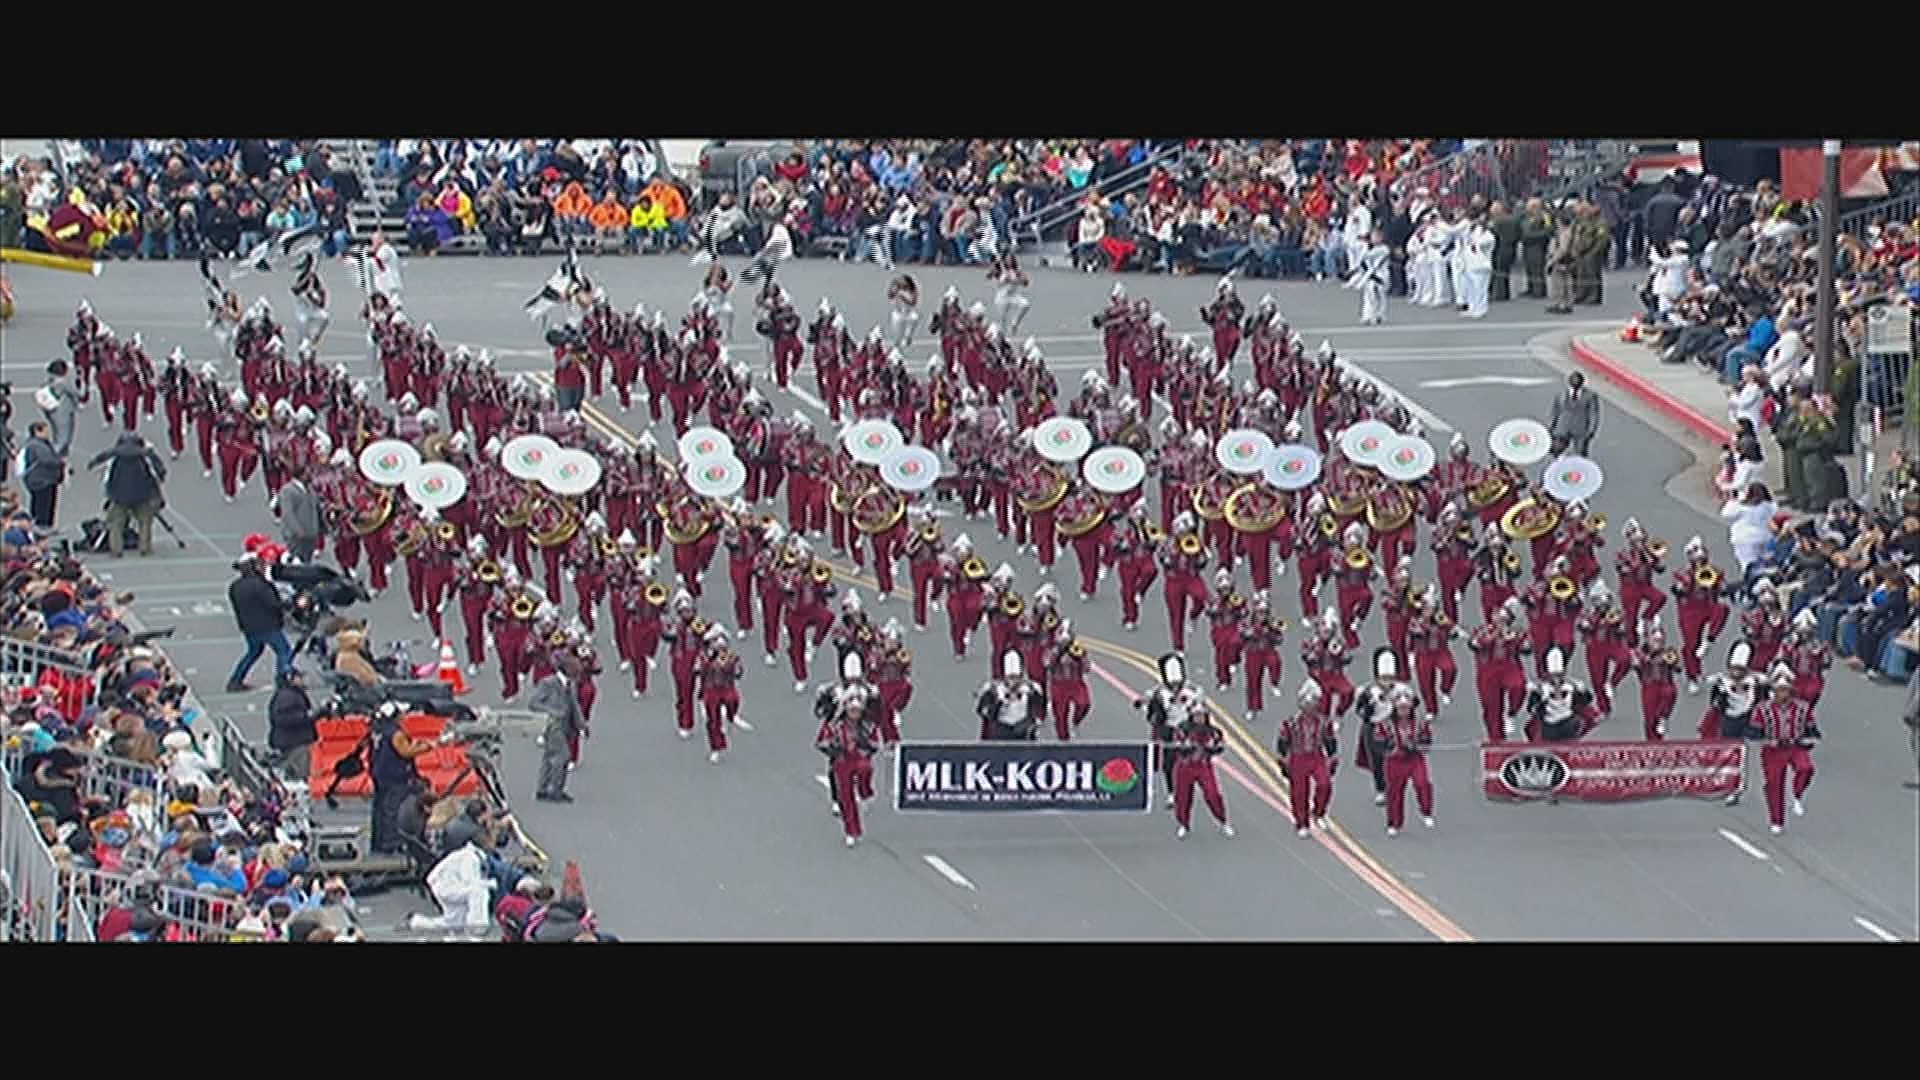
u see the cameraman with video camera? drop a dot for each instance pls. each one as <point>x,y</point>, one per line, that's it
<point>133,489</point>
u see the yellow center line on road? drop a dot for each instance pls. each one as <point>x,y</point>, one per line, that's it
<point>1244,743</point>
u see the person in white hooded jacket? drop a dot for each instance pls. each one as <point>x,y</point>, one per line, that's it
<point>1750,524</point>
<point>460,886</point>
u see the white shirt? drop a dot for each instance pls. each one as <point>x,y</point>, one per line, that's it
<point>386,269</point>
<point>1745,403</point>
<point>1783,360</point>
<point>1745,475</point>
<point>1748,524</point>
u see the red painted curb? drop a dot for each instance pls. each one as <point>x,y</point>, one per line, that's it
<point>1674,409</point>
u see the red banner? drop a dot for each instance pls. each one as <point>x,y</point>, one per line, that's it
<point>1612,771</point>
<point>1860,178</point>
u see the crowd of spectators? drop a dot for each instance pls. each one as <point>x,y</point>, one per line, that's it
<point>1731,286</point>
<point>182,198</point>
<point>153,841</point>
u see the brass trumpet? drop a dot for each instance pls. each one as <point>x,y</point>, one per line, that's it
<point>608,546</point>
<point>821,573</point>
<point>1154,533</point>
<point>973,569</point>
<point>1050,620</point>
<point>522,608</point>
<point>1597,523</point>
<point>1188,545</point>
<point>1464,533</point>
<point>446,531</point>
<point>1658,549</point>
<point>1012,606</point>
<point>1561,588</point>
<point>1329,526</point>
<point>930,534</point>
<point>1707,577</point>
<point>1358,558</point>
<point>1511,561</point>
<point>487,570</point>
<point>260,412</point>
<point>655,594</point>
<point>1077,650</point>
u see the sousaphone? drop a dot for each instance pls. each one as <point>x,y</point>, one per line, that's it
<point>1081,514</point>
<point>880,509</point>
<point>1252,508</point>
<point>554,522</point>
<point>1530,519</point>
<point>1389,508</point>
<point>1055,483</point>
<point>371,519</point>
<point>1210,498</point>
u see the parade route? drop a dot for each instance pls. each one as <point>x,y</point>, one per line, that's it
<point>675,848</point>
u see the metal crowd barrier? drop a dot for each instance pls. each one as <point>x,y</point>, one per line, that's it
<point>22,664</point>
<point>34,909</point>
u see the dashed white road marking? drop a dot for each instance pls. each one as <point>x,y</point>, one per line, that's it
<point>824,782</point>
<point>1740,842</point>
<point>1482,380</point>
<point>1876,930</point>
<point>945,870</point>
<point>817,405</point>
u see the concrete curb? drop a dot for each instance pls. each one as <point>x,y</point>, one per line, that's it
<point>1671,407</point>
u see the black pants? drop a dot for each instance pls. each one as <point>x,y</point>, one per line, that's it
<point>43,500</point>
<point>1397,275</point>
<point>1501,287</point>
<point>386,816</point>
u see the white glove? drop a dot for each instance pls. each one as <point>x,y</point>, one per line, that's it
<point>1701,652</point>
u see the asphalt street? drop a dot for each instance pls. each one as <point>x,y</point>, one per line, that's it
<point>673,847</point>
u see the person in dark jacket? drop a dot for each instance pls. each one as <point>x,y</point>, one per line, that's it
<point>133,489</point>
<point>46,469</point>
<point>1663,214</point>
<point>258,610</point>
<point>1506,250</point>
<point>290,728</point>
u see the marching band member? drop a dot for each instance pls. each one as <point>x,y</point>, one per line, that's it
<point>1559,709</point>
<point>965,587</point>
<point>1353,590</point>
<point>1808,656</point>
<point>807,610</point>
<point>1373,706</point>
<point>1132,551</point>
<point>808,462</point>
<point>1224,611</point>
<point>1787,729</point>
<point>1398,604</point>
<point>1067,692</point>
<point>238,445</point>
<point>1638,562</point>
<point>1499,674</point>
<point>1454,548</point>
<point>176,390</point>
<point>478,583</point>
<point>923,546</point>
<point>1404,737</point>
<point>1697,590</point>
<point>1323,653</point>
<point>781,327</point>
<point>1183,560</point>
<point>1764,625</point>
<point>776,569</point>
<point>1309,752</point>
<point>831,346</point>
<point>1114,324</point>
<point>1498,568</point>
<point>1258,546</point>
<point>1429,638</point>
<point>892,665</point>
<point>847,738</point>
<point>1731,697</point>
<point>1262,634</point>
<point>1194,745</point>
<point>1167,708</point>
<point>1010,707</point>
<point>1553,606</point>
<point>853,631</point>
<point>1603,632</point>
<point>1091,546</point>
<point>646,623</point>
<point>438,552</point>
<point>512,618</point>
<point>743,541</point>
<point>1657,666</point>
<point>685,633</point>
<point>588,555</point>
<point>720,671</point>
<point>1318,545</point>
<point>1224,316</point>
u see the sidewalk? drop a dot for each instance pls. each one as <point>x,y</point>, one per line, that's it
<point>1690,397</point>
<point>1683,393</point>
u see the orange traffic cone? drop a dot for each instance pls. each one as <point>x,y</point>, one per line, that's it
<point>572,886</point>
<point>1631,332</point>
<point>449,672</point>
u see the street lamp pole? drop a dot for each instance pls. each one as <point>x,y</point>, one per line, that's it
<point>1829,226</point>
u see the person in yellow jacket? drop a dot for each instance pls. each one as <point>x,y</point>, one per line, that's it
<point>672,206</point>
<point>646,225</point>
